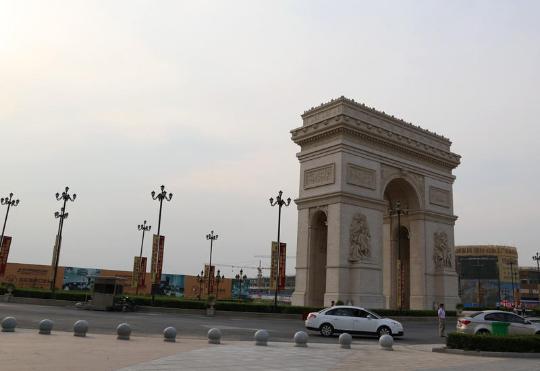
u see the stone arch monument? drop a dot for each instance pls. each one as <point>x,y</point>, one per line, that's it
<point>359,169</point>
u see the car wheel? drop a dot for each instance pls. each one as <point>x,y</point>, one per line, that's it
<point>384,330</point>
<point>482,332</point>
<point>326,329</point>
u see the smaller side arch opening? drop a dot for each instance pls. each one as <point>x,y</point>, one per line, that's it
<point>318,237</point>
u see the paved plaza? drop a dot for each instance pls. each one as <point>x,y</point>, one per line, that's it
<point>26,350</point>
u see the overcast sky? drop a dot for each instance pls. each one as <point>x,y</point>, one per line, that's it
<point>115,98</point>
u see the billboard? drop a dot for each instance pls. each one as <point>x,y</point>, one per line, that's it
<point>158,243</point>
<point>31,276</point>
<point>172,285</point>
<point>240,289</point>
<point>274,265</point>
<point>80,279</point>
<point>4,253</point>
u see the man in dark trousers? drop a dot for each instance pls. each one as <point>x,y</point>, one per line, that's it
<point>441,314</point>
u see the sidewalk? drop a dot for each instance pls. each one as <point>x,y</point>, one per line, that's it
<point>26,350</point>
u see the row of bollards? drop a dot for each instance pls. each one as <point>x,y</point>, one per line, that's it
<point>123,331</point>
<point>80,328</point>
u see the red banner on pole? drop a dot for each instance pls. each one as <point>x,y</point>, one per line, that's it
<point>281,257</point>
<point>139,272</point>
<point>4,253</point>
<point>210,276</point>
<point>158,244</point>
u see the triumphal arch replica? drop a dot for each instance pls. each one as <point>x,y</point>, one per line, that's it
<point>375,211</point>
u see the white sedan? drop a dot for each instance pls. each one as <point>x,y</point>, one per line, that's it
<point>353,320</point>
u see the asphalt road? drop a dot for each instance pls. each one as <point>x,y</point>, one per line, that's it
<point>234,326</point>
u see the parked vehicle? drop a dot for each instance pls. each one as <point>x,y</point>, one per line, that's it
<point>487,322</point>
<point>353,320</point>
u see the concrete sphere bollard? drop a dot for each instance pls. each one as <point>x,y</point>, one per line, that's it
<point>300,339</point>
<point>123,331</point>
<point>80,328</point>
<point>261,337</point>
<point>386,342</point>
<point>169,334</point>
<point>9,324</point>
<point>45,326</point>
<point>345,340</point>
<point>214,336</point>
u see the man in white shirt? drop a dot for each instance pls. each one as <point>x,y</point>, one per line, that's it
<point>441,314</point>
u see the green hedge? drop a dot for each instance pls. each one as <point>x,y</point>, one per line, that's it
<point>490,343</point>
<point>239,306</point>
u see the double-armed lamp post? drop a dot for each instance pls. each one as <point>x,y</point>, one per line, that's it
<point>144,228</point>
<point>240,278</point>
<point>280,202</point>
<point>162,195</point>
<point>65,196</point>
<point>397,210</point>
<point>9,202</point>
<point>212,237</point>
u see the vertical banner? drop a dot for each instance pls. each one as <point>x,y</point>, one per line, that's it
<point>210,276</point>
<point>281,257</point>
<point>4,253</point>
<point>142,272</point>
<point>139,272</point>
<point>136,271</point>
<point>158,243</point>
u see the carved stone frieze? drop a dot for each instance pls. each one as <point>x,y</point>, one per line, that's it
<point>439,197</point>
<point>359,238</point>
<point>361,176</point>
<point>442,253</point>
<point>319,176</point>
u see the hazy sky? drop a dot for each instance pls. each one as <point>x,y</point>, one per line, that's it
<point>115,98</point>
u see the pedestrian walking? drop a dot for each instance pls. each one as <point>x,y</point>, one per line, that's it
<point>441,314</point>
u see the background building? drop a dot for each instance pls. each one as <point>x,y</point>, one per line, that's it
<point>488,275</point>
<point>529,286</point>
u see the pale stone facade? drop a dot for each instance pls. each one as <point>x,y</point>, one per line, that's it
<point>356,164</point>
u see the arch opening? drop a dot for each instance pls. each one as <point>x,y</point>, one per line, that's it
<point>402,200</point>
<point>318,237</point>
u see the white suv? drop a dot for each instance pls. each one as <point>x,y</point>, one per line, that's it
<point>353,320</point>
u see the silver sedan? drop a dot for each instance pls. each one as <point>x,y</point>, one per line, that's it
<point>486,322</point>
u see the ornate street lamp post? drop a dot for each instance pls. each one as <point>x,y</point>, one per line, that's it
<point>9,202</point>
<point>212,238</point>
<point>537,259</point>
<point>65,196</point>
<point>240,278</point>
<point>200,279</point>
<point>280,203</point>
<point>144,228</point>
<point>162,195</point>
<point>219,279</point>
<point>397,210</point>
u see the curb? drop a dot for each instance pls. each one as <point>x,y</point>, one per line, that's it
<point>479,353</point>
<point>218,313</point>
